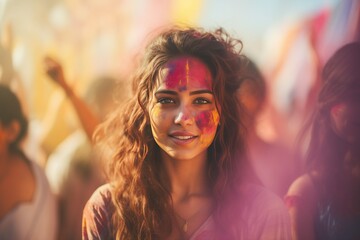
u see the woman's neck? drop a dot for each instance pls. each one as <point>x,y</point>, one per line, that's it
<point>185,178</point>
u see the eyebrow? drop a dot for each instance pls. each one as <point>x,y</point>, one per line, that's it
<point>191,93</point>
<point>201,92</point>
<point>166,92</point>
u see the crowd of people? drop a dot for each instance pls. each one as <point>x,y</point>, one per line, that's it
<point>181,158</point>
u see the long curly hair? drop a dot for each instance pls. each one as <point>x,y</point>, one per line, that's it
<point>341,82</point>
<point>143,207</point>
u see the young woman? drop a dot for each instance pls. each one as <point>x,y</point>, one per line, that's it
<point>173,173</point>
<point>27,206</point>
<point>325,202</point>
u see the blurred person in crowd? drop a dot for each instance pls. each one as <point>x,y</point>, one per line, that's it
<point>89,120</point>
<point>72,167</point>
<point>272,162</point>
<point>28,208</point>
<point>297,54</point>
<point>324,203</point>
<point>12,77</point>
<point>8,75</point>
<point>173,172</point>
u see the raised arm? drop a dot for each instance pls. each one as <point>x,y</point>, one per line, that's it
<point>89,120</point>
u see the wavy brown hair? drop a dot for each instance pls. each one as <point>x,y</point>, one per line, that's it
<point>143,206</point>
<point>341,83</point>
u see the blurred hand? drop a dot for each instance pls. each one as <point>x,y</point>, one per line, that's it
<point>55,72</point>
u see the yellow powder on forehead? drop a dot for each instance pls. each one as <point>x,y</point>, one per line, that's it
<point>187,70</point>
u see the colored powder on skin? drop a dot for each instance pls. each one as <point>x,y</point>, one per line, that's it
<point>179,73</point>
<point>206,121</point>
<point>182,86</point>
<point>184,117</point>
<point>171,80</point>
<point>175,77</point>
<point>216,116</point>
<point>157,112</point>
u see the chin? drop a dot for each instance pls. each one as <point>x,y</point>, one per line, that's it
<point>183,154</point>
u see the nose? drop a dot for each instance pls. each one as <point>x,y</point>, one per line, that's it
<point>184,116</point>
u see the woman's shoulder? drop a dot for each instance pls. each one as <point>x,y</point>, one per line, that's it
<point>42,183</point>
<point>97,214</point>
<point>34,187</point>
<point>303,186</point>
<point>303,191</point>
<point>101,198</point>
<point>36,218</point>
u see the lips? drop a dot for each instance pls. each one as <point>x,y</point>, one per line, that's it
<point>182,136</point>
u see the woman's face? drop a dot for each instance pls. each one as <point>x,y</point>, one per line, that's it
<point>183,113</point>
<point>246,94</point>
<point>345,118</point>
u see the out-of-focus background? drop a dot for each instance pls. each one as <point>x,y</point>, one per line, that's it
<point>288,40</point>
<point>97,43</point>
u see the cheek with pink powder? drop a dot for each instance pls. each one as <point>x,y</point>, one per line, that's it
<point>207,121</point>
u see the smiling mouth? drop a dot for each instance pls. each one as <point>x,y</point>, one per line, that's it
<point>183,137</point>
